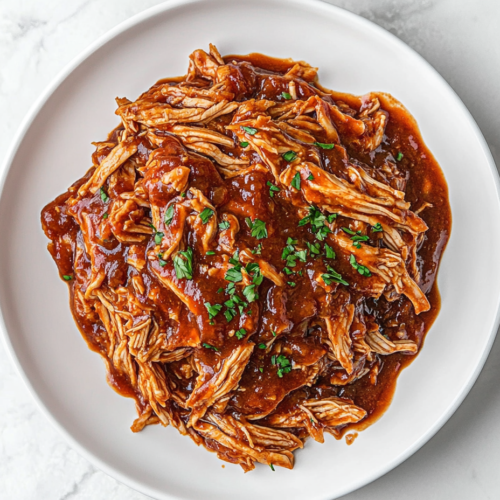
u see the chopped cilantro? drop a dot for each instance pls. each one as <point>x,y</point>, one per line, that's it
<point>272,189</point>
<point>158,237</point>
<point>240,333</point>
<point>377,228</point>
<point>206,214</point>
<point>302,255</point>
<point>333,277</point>
<point>283,364</point>
<point>286,95</point>
<point>184,267</point>
<point>257,250</point>
<point>322,145</point>
<point>250,130</point>
<point>257,227</point>
<point>274,333</point>
<point>220,290</point>
<point>262,346</point>
<point>364,271</point>
<point>104,195</point>
<point>291,283</point>
<point>235,259</point>
<point>67,277</point>
<point>208,346</point>
<point>289,155</point>
<point>330,218</point>
<point>314,248</point>
<point>224,225</point>
<point>310,177</point>
<point>243,144</point>
<point>329,252</point>
<point>250,293</point>
<point>296,181</point>
<point>169,215</point>
<point>399,156</point>
<point>288,271</point>
<point>317,221</point>
<point>105,215</point>
<point>261,370</point>
<point>213,310</point>
<point>348,231</point>
<point>234,275</point>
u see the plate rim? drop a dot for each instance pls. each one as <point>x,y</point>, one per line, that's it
<point>72,65</point>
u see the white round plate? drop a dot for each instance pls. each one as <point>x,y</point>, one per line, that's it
<point>53,149</point>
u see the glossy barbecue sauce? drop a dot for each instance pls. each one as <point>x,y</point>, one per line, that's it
<point>402,146</point>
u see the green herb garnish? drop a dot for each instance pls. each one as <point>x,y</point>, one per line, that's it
<point>296,181</point>
<point>224,225</point>
<point>208,346</point>
<point>257,227</point>
<point>206,214</point>
<point>364,271</point>
<point>158,237</point>
<point>257,250</point>
<point>283,364</point>
<point>243,144</point>
<point>250,130</point>
<point>240,333</point>
<point>67,277</point>
<point>213,310</point>
<point>286,95</point>
<point>289,156</point>
<point>169,215</point>
<point>330,218</point>
<point>250,293</point>
<point>399,156</point>
<point>322,145</point>
<point>262,346</point>
<point>184,267</point>
<point>329,252</point>
<point>310,177</point>
<point>210,252</point>
<point>234,275</point>
<point>291,283</point>
<point>377,228</point>
<point>104,195</point>
<point>333,277</point>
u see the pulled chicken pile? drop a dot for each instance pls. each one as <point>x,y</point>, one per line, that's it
<point>245,258</point>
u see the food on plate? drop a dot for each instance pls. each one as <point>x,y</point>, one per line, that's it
<point>254,256</point>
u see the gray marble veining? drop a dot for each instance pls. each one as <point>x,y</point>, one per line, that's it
<point>458,37</point>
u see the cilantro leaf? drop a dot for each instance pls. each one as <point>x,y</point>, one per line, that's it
<point>329,252</point>
<point>286,95</point>
<point>364,271</point>
<point>296,181</point>
<point>333,277</point>
<point>240,333</point>
<point>322,145</point>
<point>289,155</point>
<point>377,228</point>
<point>206,214</point>
<point>250,294</point>
<point>208,346</point>
<point>104,195</point>
<point>224,225</point>
<point>169,215</point>
<point>258,228</point>
<point>184,267</point>
<point>213,310</point>
<point>250,130</point>
<point>243,144</point>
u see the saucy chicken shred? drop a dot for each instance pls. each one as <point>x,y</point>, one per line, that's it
<point>254,256</point>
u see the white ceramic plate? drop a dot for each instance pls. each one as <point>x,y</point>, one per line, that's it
<point>53,149</point>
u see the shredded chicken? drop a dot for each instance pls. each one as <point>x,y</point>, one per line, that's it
<point>234,261</point>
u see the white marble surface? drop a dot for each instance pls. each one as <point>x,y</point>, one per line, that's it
<point>458,37</point>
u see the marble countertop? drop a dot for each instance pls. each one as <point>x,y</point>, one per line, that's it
<point>459,38</point>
